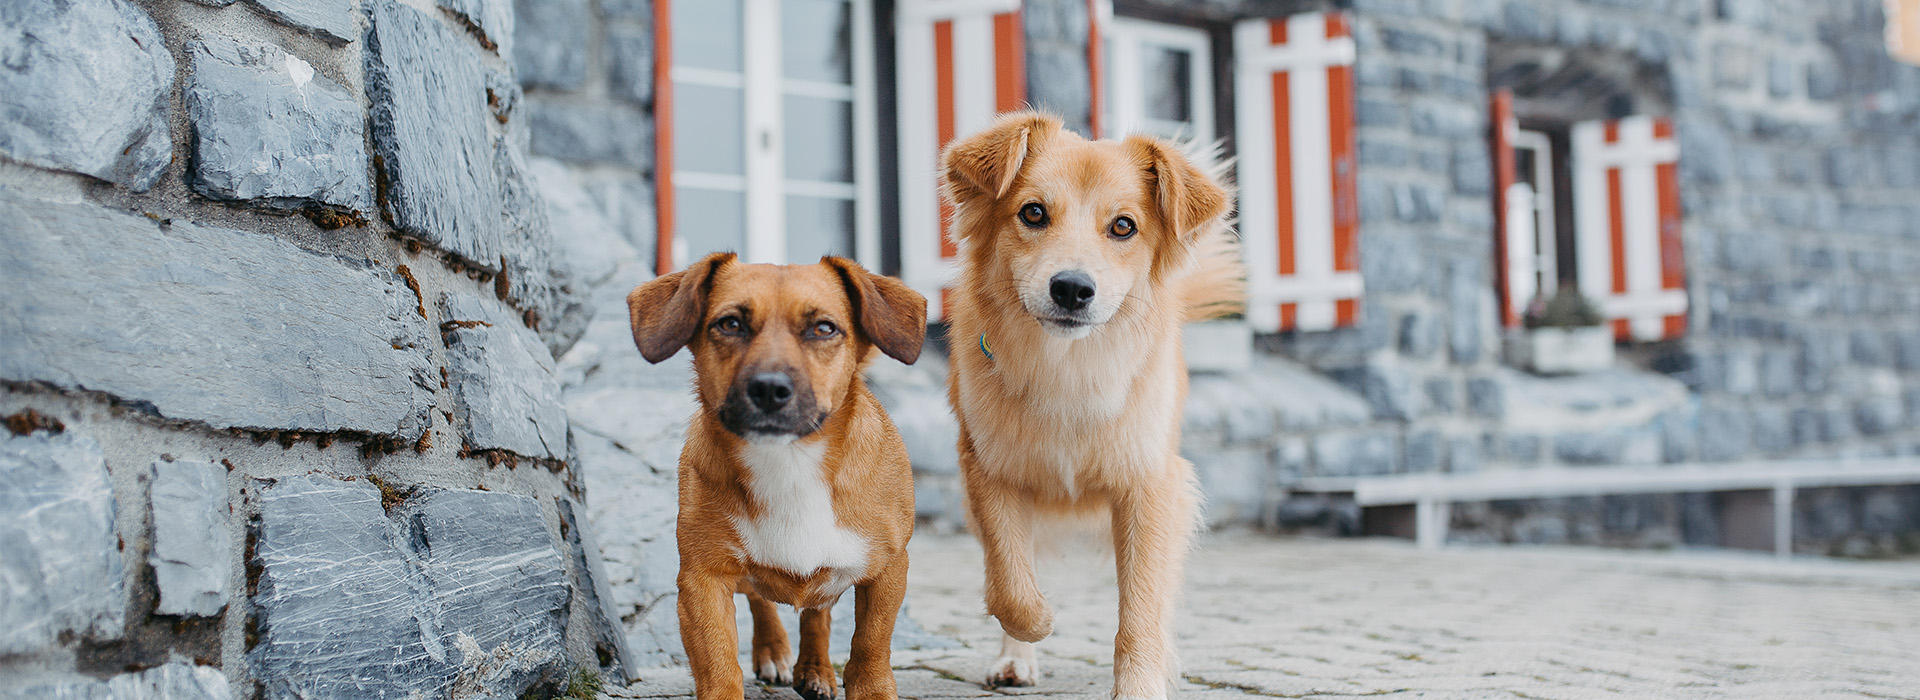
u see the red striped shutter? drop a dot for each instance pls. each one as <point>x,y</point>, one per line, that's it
<point>959,63</point>
<point>1626,189</point>
<point>1299,205</point>
<point>1504,173</point>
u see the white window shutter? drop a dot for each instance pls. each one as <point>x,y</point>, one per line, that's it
<point>959,63</point>
<point>1299,206</point>
<point>1626,189</point>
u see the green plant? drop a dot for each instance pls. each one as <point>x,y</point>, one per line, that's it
<point>1567,309</point>
<point>584,685</point>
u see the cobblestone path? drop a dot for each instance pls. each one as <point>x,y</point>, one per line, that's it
<point>1299,618</point>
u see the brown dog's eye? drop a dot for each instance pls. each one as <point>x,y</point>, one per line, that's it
<point>1122,228</point>
<point>729,325</point>
<point>1033,215</point>
<point>823,330</point>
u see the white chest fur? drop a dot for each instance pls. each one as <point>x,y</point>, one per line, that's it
<point>796,530</point>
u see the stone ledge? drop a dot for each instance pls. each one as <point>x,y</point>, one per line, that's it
<point>223,327</point>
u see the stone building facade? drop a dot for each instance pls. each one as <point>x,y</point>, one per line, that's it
<point>313,309</point>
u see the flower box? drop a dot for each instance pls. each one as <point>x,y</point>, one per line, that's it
<point>1561,350</point>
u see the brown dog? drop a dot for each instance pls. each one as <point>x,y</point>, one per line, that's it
<point>793,483</point>
<point>1080,260</point>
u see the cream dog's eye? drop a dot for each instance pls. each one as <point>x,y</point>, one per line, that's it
<point>1033,215</point>
<point>823,329</point>
<point>1122,228</point>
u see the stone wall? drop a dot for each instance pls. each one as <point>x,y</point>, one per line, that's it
<point>280,320</point>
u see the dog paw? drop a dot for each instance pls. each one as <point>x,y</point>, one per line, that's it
<point>814,681</point>
<point>774,673</point>
<point>1013,672</point>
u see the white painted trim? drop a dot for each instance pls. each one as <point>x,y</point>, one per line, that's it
<point>1312,134</point>
<point>1637,154</point>
<point>1545,226</point>
<point>822,188</point>
<point>766,240</point>
<point>919,143</point>
<point>1254,169</point>
<point>973,74</point>
<point>818,90</point>
<point>709,181</point>
<point>1593,233</point>
<point>1126,104</point>
<point>866,141</point>
<point>1523,262</point>
<point>930,11</point>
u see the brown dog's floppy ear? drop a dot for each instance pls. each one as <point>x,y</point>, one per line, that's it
<point>1186,198</point>
<point>985,164</point>
<point>891,315</point>
<point>667,311</point>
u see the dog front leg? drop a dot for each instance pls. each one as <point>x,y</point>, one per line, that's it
<point>707,630</point>
<point>876,604</point>
<point>772,658</point>
<point>1003,522</point>
<point>1151,531</point>
<point>813,673</point>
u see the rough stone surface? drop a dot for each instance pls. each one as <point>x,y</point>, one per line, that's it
<point>607,134</point>
<point>465,593</point>
<point>492,19</point>
<point>325,344</point>
<point>500,587</point>
<point>547,45</point>
<point>505,392</point>
<point>630,63</point>
<point>191,544</point>
<point>582,234</point>
<point>85,89</point>
<point>267,127</point>
<point>337,21</point>
<point>429,123</point>
<point>590,579</point>
<point>172,681</point>
<point>60,565</point>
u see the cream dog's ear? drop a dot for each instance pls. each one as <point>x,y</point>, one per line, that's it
<point>1185,198</point>
<point>667,311</point>
<point>891,315</point>
<point>986,164</point>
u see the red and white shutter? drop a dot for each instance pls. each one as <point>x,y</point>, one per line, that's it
<point>1513,240</point>
<point>959,63</point>
<point>1626,189</point>
<point>1299,207</point>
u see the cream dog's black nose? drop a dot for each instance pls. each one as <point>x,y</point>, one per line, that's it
<point>1072,290</point>
<point>770,391</point>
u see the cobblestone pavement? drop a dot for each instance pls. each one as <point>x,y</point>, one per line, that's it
<point>1301,618</point>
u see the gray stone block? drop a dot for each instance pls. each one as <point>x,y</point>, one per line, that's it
<point>267,128</point>
<point>1780,77</point>
<point>547,49</point>
<point>1465,283</point>
<point>1772,430</point>
<point>1425,452</point>
<point>500,588</point>
<point>1443,395</point>
<point>337,21</point>
<point>1725,434</point>
<point>172,681</point>
<point>1233,483</point>
<point>490,20</point>
<point>1879,415</point>
<point>1464,455</point>
<point>1472,168</point>
<point>1524,449</point>
<point>339,612</point>
<point>592,133</point>
<point>538,278</point>
<point>505,393</point>
<point>1486,398</point>
<point>592,247</point>
<point>1057,82</point>
<point>191,543</point>
<point>465,594</point>
<point>1679,435</point>
<point>1354,454</point>
<point>429,122</point>
<point>60,565</point>
<point>1419,335</point>
<point>1392,391</point>
<point>231,329</point>
<point>590,580</point>
<point>917,404</point>
<point>630,63</point>
<point>86,89</point>
<point>1589,448</point>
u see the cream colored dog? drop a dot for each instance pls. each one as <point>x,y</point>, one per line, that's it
<point>1080,260</point>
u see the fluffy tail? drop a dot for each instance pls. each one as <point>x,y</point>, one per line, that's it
<point>1216,282</point>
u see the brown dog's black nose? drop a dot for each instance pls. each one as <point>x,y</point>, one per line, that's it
<point>770,391</point>
<point>1072,290</point>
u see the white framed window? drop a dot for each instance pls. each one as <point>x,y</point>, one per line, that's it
<point>1530,211</point>
<point>774,152</point>
<point>1159,80</point>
